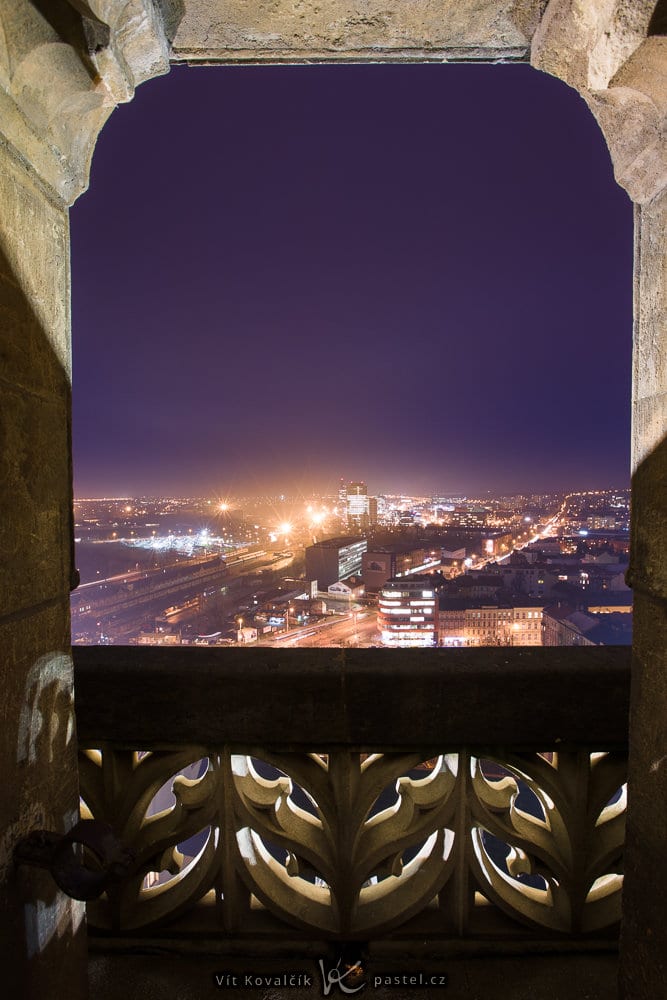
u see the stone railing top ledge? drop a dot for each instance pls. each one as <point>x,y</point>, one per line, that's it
<point>379,699</point>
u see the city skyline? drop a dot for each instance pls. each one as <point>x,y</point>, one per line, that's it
<point>183,572</point>
<point>346,293</point>
<point>227,501</point>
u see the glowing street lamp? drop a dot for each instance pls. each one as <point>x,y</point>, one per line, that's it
<point>316,519</point>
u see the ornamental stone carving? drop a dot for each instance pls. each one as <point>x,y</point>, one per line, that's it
<point>64,66</point>
<point>355,845</point>
<point>602,48</point>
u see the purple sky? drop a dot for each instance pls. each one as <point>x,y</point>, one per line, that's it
<point>420,276</point>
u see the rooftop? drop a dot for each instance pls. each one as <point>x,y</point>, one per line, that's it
<point>337,543</point>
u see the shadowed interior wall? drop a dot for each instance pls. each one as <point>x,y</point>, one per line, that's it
<point>63,68</point>
<point>44,939</point>
<point>644,932</point>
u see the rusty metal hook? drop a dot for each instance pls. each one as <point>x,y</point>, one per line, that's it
<point>83,862</point>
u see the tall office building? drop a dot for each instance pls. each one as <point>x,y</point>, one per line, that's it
<point>357,510</point>
<point>357,505</point>
<point>334,559</point>
<point>362,510</point>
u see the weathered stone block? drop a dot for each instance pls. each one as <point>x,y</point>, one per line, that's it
<point>43,933</point>
<point>35,518</point>
<point>419,30</point>
<point>644,931</point>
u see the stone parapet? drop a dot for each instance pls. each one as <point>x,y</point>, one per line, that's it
<point>459,831</point>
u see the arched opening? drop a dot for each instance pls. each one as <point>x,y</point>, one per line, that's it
<point>412,276</point>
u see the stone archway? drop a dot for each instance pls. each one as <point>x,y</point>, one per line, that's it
<point>64,66</point>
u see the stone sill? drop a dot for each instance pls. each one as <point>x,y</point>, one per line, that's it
<point>538,698</point>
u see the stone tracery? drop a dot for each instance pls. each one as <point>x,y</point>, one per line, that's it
<point>340,861</point>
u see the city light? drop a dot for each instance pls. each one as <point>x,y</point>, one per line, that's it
<point>267,575</point>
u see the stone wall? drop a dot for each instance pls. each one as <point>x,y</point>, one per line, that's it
<point>43,938</point>
<point>604,49</point>
<point>644,934</point>
<point>349,31</point>
<point>63,68</point>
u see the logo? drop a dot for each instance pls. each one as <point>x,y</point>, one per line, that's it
<point>336,976</point>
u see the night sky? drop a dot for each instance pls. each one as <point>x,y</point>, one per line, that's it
<point>419,276</point>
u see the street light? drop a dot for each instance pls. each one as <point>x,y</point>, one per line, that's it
<point>316,520</point>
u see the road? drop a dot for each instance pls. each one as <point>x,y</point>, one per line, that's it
<point>355,629</point>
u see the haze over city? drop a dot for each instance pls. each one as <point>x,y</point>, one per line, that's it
<point>415,275</point>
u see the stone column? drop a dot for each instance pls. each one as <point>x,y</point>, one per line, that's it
<point>608,51</point>
<point>644,930</point>
<point>64,65</point>
<point>43,932</point>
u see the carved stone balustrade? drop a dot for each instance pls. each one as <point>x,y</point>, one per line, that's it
<point>445,795</point>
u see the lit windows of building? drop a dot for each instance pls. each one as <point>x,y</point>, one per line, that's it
<point>334,559</point>
<point>463,624</point>
<point>408,612</point>
<point>362,510</point>
<point>356,509</point>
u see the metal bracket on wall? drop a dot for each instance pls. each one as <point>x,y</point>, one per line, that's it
<point>84,863</point>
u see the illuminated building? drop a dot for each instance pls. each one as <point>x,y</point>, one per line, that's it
<point>361,509</point>
<point>408,612</point>
<point>334,559</point>
<point>468,517</point>
<point>356,509</point>
<point>461,623</point>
